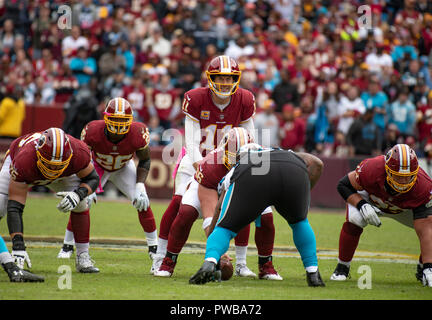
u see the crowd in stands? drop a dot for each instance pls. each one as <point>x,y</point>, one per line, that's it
<point>323,82</point>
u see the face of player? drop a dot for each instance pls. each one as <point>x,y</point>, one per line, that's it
<point>401,182</point>
<point>223,84</point>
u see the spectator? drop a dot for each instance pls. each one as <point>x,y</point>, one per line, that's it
<point>205,35</point>
<point>391,138</point>
<point>285,92</point>
<point>394,86</point>
<point>7,36</point>
<point>40,92</point>
<point>111,61</point>
<point>377,100</point>
<point>41,29</point>
<point>156,131</point>
<point>412,77</point>
<point>157,43</point>
<point>165,102</point>
<point>402,113</point>
<point>128,55</point>
<point>424,121</point>
<point>136,95</point>
<point>12,114</point>
<point>350,107</point>
<point>379,61</point>
<point>239,47</point>
<point>292,130</point>
<point>114,85</point>
<point>267,125</point>
<point>364,136</point>
<point>72,43</point>
<point>83,67</point>
<point>64,84</point>
<point>85,14</point>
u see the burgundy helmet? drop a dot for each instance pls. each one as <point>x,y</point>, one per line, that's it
<point>232,141</point>
<point>223,65</point>
<point>118,116</point>
<point>54,152</point>
<point>401,161</point>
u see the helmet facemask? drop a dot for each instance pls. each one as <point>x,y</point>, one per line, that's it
<point>118,124</point>
<point>218,87</point>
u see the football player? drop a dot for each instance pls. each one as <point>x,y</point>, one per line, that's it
<point>286,184</point>
<point>210,113</point>
<point>63,164</point>
<point>113,142</point>
<point>200,200</point>
<point>14,273</point>
<point>387,186</point>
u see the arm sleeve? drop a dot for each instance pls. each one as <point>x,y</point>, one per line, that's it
<point>193,139</point>
<point>249,126</point>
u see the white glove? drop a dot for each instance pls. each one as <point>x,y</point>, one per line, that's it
<point>369,214</point>
<point>21,257</point>
<point>69,202</point>
<point>427,277</point>
<point>140,200</point>
<point>90,199</point>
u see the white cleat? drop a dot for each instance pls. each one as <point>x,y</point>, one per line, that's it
<point>157,261</point>
<point>85,264</point>
<point>242,270</point>
<point>66,252</point>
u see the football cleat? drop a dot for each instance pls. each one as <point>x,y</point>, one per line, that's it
<point>206,273</point>
<point>427,277</point>
<point>85,264</point>
<point>18,275</point>
<point>341,273</point>
<point>314,279</point>
<point>66,251</point>
<point>242,270</point>
<point>157,261</point>
<point>268,272</point>
<point>166,269</point>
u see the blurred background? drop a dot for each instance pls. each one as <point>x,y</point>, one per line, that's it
<point>324,82</point>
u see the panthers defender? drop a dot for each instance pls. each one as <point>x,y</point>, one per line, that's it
<point>261,178</point>
<point>200,200</point>
<point>113,142</point>
<point>391,186</point>
<point>210,113</point>
<point>63,164</point>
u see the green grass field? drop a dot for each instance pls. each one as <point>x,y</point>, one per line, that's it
<point>390,252</point>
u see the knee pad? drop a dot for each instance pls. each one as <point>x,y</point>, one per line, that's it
<point>3,205</point>
<point>82,206</point>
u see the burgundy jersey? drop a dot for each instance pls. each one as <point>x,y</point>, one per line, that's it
<point>198,105</point>
<point>23,155</point>
<point>371,175</point>
<point>163,102</point>
<point>113,156</point>
<point>211,169</point>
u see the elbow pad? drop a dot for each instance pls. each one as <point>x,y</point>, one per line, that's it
<point>345,188</point>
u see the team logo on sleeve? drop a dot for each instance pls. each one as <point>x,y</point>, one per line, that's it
<point>205,115</point>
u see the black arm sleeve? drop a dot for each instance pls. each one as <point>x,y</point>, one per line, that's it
<point>145,164</point>
<point>14,216</point>
<point>345,188</point>
<point>92,180</point>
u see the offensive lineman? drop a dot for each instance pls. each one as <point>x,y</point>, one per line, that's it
<point>392,186</point>
<point>113,142</point>
<point>210,113</point>
<point>62,163</point>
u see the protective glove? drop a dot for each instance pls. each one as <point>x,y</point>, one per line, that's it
<point>21,257</point>
<point>140,201</point>
<point>90,199</point>
<point>370,214</point>
<point>69,202</point>
<point>427,277</point>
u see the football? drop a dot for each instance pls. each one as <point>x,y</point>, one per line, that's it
<point>226,269</point>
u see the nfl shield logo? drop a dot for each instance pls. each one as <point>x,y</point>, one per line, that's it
<point>221,116</point>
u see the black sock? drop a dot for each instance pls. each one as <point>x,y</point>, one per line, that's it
<point>264,260</point>
<point>172,256</point>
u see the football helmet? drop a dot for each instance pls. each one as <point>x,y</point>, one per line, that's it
<point>118,115</point>
<point>54,153</point>
<point>231,142</point>
<point>401,165</point>
<point>223,65</point>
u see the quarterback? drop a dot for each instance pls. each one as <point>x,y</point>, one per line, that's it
<point>63,164</point>
<point>210,113</point>
<point>200,200</point>
<point>391,186</point>
<point>113,142</point>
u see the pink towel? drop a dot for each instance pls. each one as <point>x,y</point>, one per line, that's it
<point>100,171</point>
<point>180,157</point>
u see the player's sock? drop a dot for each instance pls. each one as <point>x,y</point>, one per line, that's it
<point>348,241</point>
<point>82,247</point>
<point>162,247</point>
<point>80,222</point>
<point>305,242</point>
<point>218,243</point>
<point>263,260</point>
<point>181,227</point>
<point>241,241</point>
<point>69,236</point>
<point>264,235</point>
<point>168,217</point>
